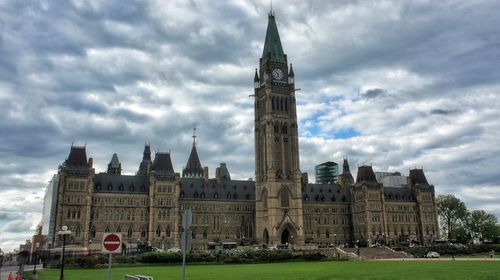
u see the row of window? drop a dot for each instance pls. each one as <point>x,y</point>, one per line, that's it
<point>74,199</point>
<point>334,210</point>
<point>218,207</point>
<point>119,214</point>
<point>400,208</point>
<point>165,189</point>
<point>122,201</point>
<point>75,185</point>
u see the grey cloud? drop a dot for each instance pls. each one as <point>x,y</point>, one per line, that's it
<point>442,112</point>
<point>374,93</point>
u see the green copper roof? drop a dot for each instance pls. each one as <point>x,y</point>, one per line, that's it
<point>273,50</point>
<point>115,163</point>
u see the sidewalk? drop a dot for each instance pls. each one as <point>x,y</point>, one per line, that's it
<point>7,269</point>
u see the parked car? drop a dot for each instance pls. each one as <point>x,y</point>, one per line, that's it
<point>174,250</point>
<point>432,255</point>
<point>155,249</point>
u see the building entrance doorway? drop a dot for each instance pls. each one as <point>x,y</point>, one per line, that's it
<point>285,237</point>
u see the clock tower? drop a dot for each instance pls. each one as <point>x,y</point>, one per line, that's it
<point>277,171</point>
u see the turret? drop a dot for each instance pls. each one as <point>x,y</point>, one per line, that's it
<point>193,167</point>
<point>114,166</point>
<point>256,80</point>
<point>291,75</point>
<point>145,166</point>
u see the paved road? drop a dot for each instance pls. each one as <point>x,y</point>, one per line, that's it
<point>7,269</point>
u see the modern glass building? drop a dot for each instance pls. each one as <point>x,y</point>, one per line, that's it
<point>327,173</point>
<point>49,208</point>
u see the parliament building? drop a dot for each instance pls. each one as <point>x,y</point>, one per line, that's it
<point>279,206</point>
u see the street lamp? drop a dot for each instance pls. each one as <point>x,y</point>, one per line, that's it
<point>64,232</point>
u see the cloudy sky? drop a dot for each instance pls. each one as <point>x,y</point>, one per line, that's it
<point>395,84</point>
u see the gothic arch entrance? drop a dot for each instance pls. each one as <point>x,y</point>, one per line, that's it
<point>265,237</point>
<point>285,237</point>
<point>288,234</point>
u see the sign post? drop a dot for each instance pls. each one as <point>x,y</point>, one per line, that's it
<point>187,218</point>
<point>111,244</point>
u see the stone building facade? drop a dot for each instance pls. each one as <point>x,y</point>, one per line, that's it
<point>280,206</point>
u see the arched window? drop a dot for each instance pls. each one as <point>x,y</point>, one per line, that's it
<point>92,231</point>
<point>205,234</point>
<point>143,231</point>
<point>249,233</point>
<point>327,234</point>
<point>264,199</point>
<point>193,233</point>
<point>129,232</point>
<point>168,231</point>
<point>78,231</point>
<point>158,231</point>
<point>119,229</point>
<point>285,198</point>
<point>107,229</point>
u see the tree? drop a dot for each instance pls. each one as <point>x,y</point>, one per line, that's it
<point>452,212</point>
<point>481,224</point>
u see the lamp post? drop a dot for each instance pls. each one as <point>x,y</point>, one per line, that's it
<point>64,233</point>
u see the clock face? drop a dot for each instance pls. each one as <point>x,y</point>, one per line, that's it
<point>277,74</point>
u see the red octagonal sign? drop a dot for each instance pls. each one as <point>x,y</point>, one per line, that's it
<point>111,243</point>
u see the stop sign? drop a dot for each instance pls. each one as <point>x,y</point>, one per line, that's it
<point>112,243</point>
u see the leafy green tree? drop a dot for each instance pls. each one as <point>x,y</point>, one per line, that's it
<point>460,235</point>
<point>452,212</point>
<point>481,224</point>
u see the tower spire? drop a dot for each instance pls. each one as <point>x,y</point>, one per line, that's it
<point>273,50</point>
<point>194,135</point>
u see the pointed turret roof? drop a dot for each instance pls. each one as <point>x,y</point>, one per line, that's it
<point>345,167</point>
<point>114,166</point>
<point>146,163</point>
<point>273,51</point>
<point>115,163</point>
<point>291,74</point>
<point>193,167</point>
<point>256,77</point>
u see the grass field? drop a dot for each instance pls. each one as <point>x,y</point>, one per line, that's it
<point>487,270</point>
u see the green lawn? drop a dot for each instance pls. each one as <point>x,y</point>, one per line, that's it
<point>487,270</point>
